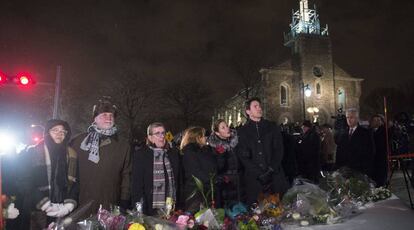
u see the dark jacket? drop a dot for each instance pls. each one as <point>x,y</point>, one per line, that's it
<point>228,166</point>
<point>309,155</point>
<point>356,152</point>
<point>200,162</point>
<point>260,151</point>
<point>35,184</point>
<point>380,160</point>
<point>142,176</point>
<point>108,181</point>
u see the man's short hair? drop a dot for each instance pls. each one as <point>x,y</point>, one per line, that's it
<point>352,110</point>
<point>153,126</point>
<point>249,102</point>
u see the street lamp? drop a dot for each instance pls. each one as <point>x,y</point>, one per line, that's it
<point>314,111</point>
<point>306,92</point>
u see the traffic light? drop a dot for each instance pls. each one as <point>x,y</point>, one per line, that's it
<point>3,78</point>
<point>24,79</point>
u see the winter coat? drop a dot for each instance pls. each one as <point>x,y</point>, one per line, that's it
<point>357,151</point>
<point>142,176</point>
<point>261,148</point>
<point>309,155</point>
<point>199,162</point>
<point>36,183</point>
<point>380,160</point>
<point>107,182</point>
<point>228,167</point>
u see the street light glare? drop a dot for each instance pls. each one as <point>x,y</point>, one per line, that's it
<point>7,143</point>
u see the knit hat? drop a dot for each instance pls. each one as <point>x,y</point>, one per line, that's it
<point>104,105</point>
<point>54,122</point>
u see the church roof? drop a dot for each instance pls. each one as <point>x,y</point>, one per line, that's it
<point>341,74</point>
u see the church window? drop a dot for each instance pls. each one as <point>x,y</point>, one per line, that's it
<point>341,98</point>
<point>318,89</point>
<point>284,95</point>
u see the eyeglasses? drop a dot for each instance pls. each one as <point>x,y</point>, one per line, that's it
<point>57,131</point>
<point>159,134</point>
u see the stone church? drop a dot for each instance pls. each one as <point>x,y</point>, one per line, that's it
<point>309,85</point>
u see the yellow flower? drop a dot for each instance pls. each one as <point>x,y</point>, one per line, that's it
<point>136,226</point>
<point>169,136</point>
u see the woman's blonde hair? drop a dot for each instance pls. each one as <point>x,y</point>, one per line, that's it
<point>192,135</point>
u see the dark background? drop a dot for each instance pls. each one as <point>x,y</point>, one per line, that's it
<point>190,44</point>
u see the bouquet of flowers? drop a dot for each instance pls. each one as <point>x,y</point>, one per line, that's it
<point>306,203</point>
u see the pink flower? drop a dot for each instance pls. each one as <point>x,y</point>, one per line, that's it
<point>182,220</point>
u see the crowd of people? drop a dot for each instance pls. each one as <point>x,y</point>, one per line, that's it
<point>99,168</point>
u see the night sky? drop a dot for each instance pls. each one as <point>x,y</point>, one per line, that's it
<point>99,40</point>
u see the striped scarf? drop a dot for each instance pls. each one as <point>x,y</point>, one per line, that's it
<point>91,141</point>
<point>162,164</point>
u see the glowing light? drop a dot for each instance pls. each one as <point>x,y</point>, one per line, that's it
<point>308,91</point>
<point>24,80</point>
<point>7,143</point>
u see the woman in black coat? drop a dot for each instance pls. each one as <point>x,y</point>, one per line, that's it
<point>155,172</point>
<point>224,140</point>
<point>199,161</point>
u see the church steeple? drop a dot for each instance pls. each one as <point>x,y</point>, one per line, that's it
<point>304,21</point>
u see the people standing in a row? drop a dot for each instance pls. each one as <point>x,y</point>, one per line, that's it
<point>355,148</point>
<point>308,158</point>
<point>155,172</point>
<point>260,152</point>
<point>49,178</point>
<point>199,161</point>
<point>104,161</point>
<point>224,141</point>
<point>328,148</point>
<point>380,142</point>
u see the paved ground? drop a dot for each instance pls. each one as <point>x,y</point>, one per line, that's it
<point>398,187</point>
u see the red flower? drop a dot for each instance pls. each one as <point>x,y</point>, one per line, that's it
<point>220,149</point>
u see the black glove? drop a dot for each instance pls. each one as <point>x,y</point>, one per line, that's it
<point>265,179</point>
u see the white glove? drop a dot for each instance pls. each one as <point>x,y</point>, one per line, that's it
<point>63,210</point>
<point>53,207</point>
<point>45,206</point>
<point>12,212</point>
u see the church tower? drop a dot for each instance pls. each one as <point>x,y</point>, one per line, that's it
<point>312,61</point>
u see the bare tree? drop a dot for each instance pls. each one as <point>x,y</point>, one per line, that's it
<point>188,101</point>
<point>134,95</point>
<point>246,65</point>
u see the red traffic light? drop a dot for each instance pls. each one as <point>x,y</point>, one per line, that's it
<point>24,79</point>
<point>3,78</point>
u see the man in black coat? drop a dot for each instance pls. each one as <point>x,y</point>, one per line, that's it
<point>260,151</point>
<point>380,161</point>
<point>155,172</point>
<point>355,148</point>
<point>309,153</point>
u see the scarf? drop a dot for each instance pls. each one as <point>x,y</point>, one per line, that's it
<point>91,141</point>
<point>229,144</point>
<point>161,170</point>
<point>58,169</point>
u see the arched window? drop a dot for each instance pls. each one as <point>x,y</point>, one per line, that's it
<point>341,98</point>
<point>284,95</point>
<point>318,89</point>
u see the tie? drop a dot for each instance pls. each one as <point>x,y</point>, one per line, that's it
<point>351,131</point>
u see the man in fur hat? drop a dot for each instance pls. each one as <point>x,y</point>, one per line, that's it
<point>104,161</point>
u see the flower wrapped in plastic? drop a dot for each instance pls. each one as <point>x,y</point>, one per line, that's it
<point>305,203</point>
<point>111,220</point>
